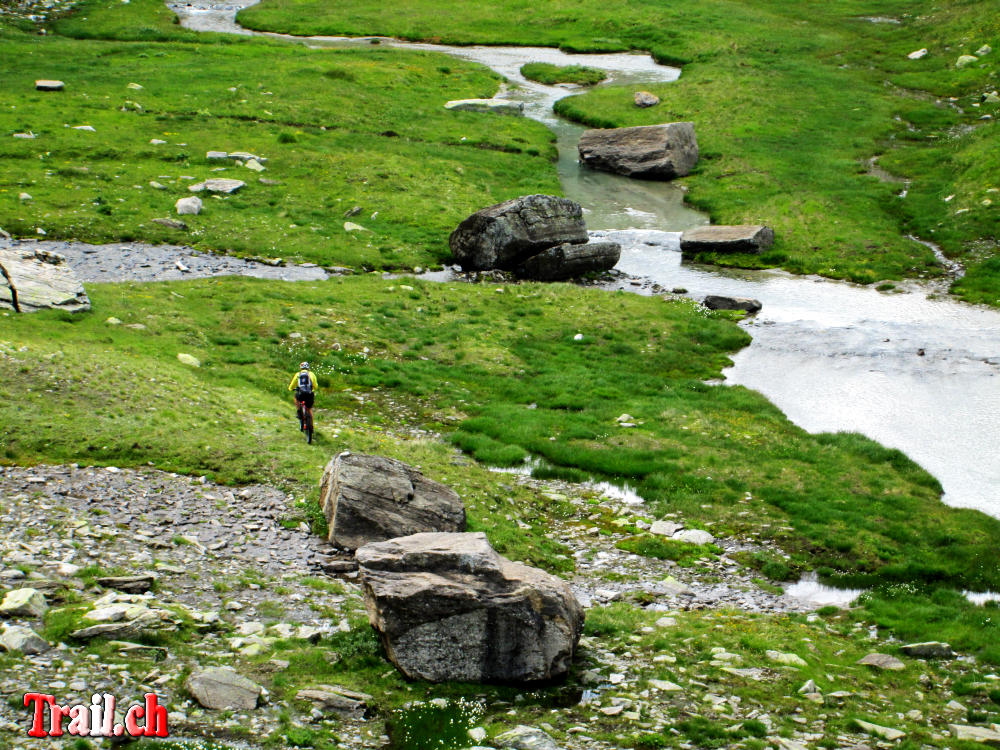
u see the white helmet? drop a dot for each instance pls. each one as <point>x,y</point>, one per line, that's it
<point>303,365</point>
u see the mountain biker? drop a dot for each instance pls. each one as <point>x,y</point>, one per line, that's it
<point>305,387</point>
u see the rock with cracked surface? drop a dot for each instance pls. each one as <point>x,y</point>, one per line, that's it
<point>736,238</point>
<point>567,261</point>
<point>372,498</point>
<point>650,152</point>
<point>33,279</point>
<point>345,703</point>
<point>448,607</point>
<point>505,235</point>
<point>221,688</point>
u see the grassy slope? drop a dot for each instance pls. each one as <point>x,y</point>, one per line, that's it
<point>340,128</point>
<point>503,365</point>
<point>790,101</point>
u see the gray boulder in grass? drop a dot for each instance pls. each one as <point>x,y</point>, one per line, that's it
<point>369,498</point>
<point>448,607</point>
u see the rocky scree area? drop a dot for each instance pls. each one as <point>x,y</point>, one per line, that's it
<point>130,581</point>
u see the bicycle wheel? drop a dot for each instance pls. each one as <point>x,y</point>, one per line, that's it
<point>308,427</point>
<point>300,413</point>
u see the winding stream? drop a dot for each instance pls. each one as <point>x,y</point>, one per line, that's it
<point>912,369</point>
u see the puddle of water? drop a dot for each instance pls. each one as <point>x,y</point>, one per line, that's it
<point>808,589</point>
<point>433,726</point>
<point>621,492</point>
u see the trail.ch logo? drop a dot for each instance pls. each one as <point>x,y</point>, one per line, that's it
<point>147,719</point>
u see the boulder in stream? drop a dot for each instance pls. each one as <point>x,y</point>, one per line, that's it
<point>505,235</point>
<point>567,261</point>
<point>448,607</point>
<point>740,238</point>
<point>719,302</point>
<point>651,152</point>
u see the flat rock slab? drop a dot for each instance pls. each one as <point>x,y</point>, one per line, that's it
<point>372,498</point>
<point>495,106</point>
<point>129,584</point>
<point>975,734</point>
<point>218,185</point>
<point>448,607</point>
<point>881,661</point>
<point>45,85</point>
<point>928,650</point>
<point>694,536</point>
<point>788,659</point>
<point>33,279</point>
<point>568,261</point>
<point>720,302</point>
<point>345,703</point>
<point>739,238</point>
<point>221,688</point>
<point>523,737</point>
<point>886,733</point>
<point>651,152</point>
<point>506,234</point>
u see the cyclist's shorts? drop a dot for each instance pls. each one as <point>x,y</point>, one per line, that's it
<point>306,397</point>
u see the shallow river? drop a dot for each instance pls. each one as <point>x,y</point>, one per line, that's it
<point>913,370</point>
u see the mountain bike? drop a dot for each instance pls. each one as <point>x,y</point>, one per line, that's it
<point>305,419</point>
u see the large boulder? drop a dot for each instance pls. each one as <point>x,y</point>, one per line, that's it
<point>448,607</point>
<point>221,688</point>
<point>373,498</point>
<point>32,279</point>
<point>507,234</point>
<point>740,238</point>
<point>566,261</point>
<point>651,152</point>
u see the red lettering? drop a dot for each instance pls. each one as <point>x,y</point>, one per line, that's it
<point>56,715</point>
<point>131,723</point>
<point>156,717</point>
<point>40,700</point>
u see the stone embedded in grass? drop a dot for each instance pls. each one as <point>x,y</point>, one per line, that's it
<point>254,165</point>
<point>157,141</point>
<point>221,688</point>
<point>170,223</point>
<point>788,659</point>
<point>26,602</point>
<point>88,128</point>
<point>523,737</point>
<point>664,685</point>
<point>129,584</point>
<point>334,699</point>
<point>917,54</point>
<point>644,99</point>
<point>664,528</point>
<point>190,205</point>
<point>965,733</point>
<point>372,498</point>
<point>46,85</point>
<point>694,536</point>
<point>928,650</point>
<point>984,50</point>
<point>651,152</point>
<point>350,226</point>
<point>187,359</point>
<point>886,733</point>
<point>39,279</point>
<point>881,661</point>
<point>25,136</point>
<point>222,185</point>
<point>211,155</point>
<point>448,607</point>
<point>964,60</point>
